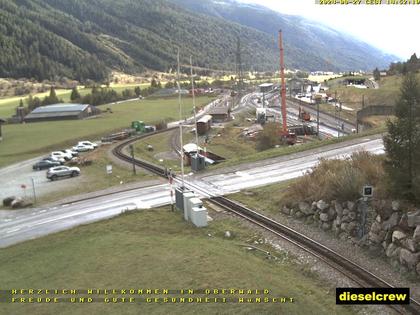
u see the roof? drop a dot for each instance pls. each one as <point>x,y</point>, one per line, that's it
<point>57,108</point>
<point>205,119</point>
<point>219,110</point>
<point>52,114</point>
<point>266,85</point>
<point>190,147</point>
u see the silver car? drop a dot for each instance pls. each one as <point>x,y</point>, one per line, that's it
<point>62,171</point>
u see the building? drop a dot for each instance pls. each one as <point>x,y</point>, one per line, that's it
<point>61,112</point>
<point>266,87</point>
<point>204,124</point>
<point>220,113</point>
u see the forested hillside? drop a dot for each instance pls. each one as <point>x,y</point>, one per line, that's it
<point>48,39</point>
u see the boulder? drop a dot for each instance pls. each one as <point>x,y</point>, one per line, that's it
<point>378,218</point>
<point>395,205</point>
<point>375,227</point>
<point>388,236</point>
<point>351,227</point>
<point>398,236</point>
<point>285,210</point>
<point>391,222</point>
<point>324,217</point>
<point>351,205</point>
<point>322,205</point>
<point>403,224</point>
<point>352,215</point>
<point>375,238</point>
<point>331,212</point>
<point>345,218</point>
<point>392,250</point>
<point>346,212</point>
<point>313,206</point>
<point>416,235</point>
<point>299,214</point>
<point>292,212</point>
<point>344,226</point>
<point>7,202</point>
<point>337,221</point>
<point>326,226</point>
<point>309,220</point>
<point>228,234</point>
<point>409,259</point>
<point>338,209</point>
<point>305,208</point>
<point>413,218</point>
<point>17,203</point>
<point>411,245</point>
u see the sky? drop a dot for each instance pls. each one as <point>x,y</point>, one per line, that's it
<point>391,28</point>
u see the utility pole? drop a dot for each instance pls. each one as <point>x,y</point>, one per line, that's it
<point>239,72</point>
<point>335,114</point>
<point>180,121</point>
<point>317,118</point>
<point>132,158</point>
<point>283,85</point>
<point>195,111</point>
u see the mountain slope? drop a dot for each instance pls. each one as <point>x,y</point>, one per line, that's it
<point>305,40</point>
<point>47,39</point>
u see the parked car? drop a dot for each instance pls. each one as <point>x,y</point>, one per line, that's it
<point>72,152</point>
<point>83,148</point>
<point>94,145</point>
<point>54,159</point>
<point>59,154</point>
<point>44,164</point>
<point>62,171</point>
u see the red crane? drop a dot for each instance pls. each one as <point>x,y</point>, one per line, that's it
<point>290,138</point>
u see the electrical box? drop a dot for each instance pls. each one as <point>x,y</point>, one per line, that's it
<point>198,163</point>
<point>187,196</point>
<point>179,197</point>
<point>199,216</point>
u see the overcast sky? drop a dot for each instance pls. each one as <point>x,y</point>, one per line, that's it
<point>391,28</point>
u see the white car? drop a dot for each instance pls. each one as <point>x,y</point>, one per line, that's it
<point>88,143</point>
<point>72,152</point>
<point>83,148</point>
<point>59,154</point>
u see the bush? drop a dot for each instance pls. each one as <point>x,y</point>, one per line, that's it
<point>269,137</point>
<point>339,179</point>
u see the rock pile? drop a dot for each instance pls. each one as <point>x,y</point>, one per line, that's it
<point>386,228</point>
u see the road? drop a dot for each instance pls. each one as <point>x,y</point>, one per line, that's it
<point>20,225</point>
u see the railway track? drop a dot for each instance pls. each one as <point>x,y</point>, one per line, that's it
<point>353,271</point>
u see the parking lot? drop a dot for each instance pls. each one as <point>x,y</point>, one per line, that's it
<point>14,176</point>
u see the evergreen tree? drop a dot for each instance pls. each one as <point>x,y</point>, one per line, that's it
<point>137,91</point>
<point>402,143</point>
<point>75,95</point>
<point>21,103</point>
<point>376,74</point>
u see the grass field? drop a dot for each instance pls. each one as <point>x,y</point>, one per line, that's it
<point>156,249</point>
<point>23,141</point>
<point>9,104</point>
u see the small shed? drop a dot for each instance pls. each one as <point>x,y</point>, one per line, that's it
<point>204,124</point>
<point>266,87</point>
<point>220,113</point>
<point>61,112</point>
